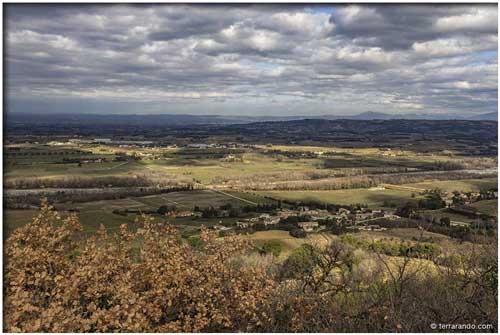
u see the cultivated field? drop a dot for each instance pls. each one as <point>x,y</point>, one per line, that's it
<point>235,176</point>
<point>373,197</point>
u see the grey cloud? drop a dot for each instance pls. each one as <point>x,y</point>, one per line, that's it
<point>244,58</point>
<point>399,26</point>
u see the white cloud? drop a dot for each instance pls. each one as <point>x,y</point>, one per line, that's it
<point>313,24</point>
<point>477,19</point>
<point>392,58</point>
<point>454,46</point>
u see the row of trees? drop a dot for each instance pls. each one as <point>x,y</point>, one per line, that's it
<point>78,182</point>
<point>27,199</point>
<point>9,152</point>
<point>423,250</point>
<point>362,181</point>
<point>228,210</point>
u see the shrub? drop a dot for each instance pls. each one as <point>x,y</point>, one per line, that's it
<point>298,233</point>
<point>55,281</point>
<point>272,247</point>
<point>58,280</point>
<point>164,209</point>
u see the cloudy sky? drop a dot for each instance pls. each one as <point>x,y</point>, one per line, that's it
<point>251,59</point>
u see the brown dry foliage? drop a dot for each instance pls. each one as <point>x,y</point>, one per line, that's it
<point>55,282</point>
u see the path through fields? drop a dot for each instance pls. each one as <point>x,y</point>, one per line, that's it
<point>211,188</point>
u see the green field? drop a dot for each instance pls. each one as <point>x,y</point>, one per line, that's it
<point>465,185</point>
<point>90,219</point>
<point>263,164</point>
<point>215,171</point>
<point>489,207</point>
<point>289,243</point>
<point>371,197</point>
<point>208,166</point>
<point>94,213</point>
<point>186,167</point>
<point>64,170</point>
<point>456,217</point>
<point>15,218</point>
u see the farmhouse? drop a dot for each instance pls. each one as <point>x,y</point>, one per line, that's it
<point>93,160</point>
<point>308,226</point>
<point>391,216</point>
<point>378,213</point>
<point>286,213</point>
<point>344,217</point>
<point>180,214</point>
<point>243,224</point>
<point>343,211</point>
<point>220,227</point>
<point>198,146</point>
<point>101,141</point>
<point>267,219</point>
<point>362,216</point>
<point>372,228</point>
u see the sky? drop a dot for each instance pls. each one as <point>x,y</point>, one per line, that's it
<point>251,59</point>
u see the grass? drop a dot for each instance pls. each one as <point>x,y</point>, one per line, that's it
<point>401,234</point>
<point>465,185</point>
<point>94,213</point>
<point>289,243</point>
<point>203,167</point>
<point>72,169</point>
<point>440,213</point>
<point>209,170</point>
<point>15,218</point>
<point>372,197</point>
<point>214,171</point>
<point>489,207</point>
<point>90,219</point>
<point>200,198</point>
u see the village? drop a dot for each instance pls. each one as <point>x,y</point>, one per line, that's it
<point>349,218</point>
<point>309,220</point>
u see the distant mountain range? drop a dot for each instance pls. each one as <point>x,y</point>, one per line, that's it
<point>423,116</point>
<point>488,117</point>
<point>189,119</point>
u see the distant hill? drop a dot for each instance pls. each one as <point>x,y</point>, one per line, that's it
<point>189,119</point>
<point>371,116</point>
<point>137,119</point>
<point>385,116</point>
<point>493,116</point>
<point>459,135</point>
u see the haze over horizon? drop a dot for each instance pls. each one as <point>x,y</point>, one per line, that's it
<point>282,60</point>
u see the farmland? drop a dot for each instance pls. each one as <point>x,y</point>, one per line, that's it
<point>467,185</point>
<point>373,197</point>
<point>111,182</point>
<point>401,204</point>
<point>95,213</point>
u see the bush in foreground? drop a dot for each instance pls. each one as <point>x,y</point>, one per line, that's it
<point>58,280</point>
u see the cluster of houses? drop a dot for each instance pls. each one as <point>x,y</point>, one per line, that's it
<point>465,198</point>
<point>123,143</point>
<point>344,216</point>
<point>373,227</point>
<point>265,219</point>
<point>215,145</point>
<point>182,214</point>
<point>388,152</point>
<point>91,160</point>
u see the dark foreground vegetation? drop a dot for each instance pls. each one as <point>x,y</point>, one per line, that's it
<point>57,280</point>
